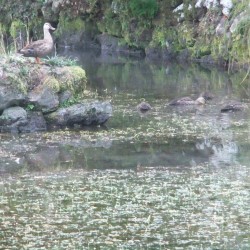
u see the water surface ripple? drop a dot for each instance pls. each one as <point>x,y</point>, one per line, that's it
<point>172,178</point>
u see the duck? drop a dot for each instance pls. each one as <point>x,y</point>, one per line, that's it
<point>39,48</point>
<point>144,106</point>
<point>207,95</point>
<point>187,101</point>
<point>233,106</point>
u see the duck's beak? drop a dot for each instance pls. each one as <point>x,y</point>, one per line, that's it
<point>50,27</point>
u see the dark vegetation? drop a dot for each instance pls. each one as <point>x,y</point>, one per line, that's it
<point>139,24</point>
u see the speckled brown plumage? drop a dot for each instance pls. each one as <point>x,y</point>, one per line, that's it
<point>39,48</point>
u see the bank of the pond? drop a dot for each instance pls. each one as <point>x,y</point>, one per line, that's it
<point>214,32</point>
<point>34,97</point>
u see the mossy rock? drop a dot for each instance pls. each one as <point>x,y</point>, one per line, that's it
<point>70,32</point>
<point>52,83</point>
<point>203,51</point>
<point>13,73</point>
<point>71,78</point>
<point>25,77</point>
<point>69,26</point>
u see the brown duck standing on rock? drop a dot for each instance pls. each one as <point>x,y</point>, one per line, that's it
<point>187,101</point>
<point>234,106</point>
<point>40,48</point>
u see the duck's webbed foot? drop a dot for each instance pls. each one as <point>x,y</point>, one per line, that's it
<point>38,61</point>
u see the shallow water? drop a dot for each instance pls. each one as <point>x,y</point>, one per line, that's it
<point>172,178</point>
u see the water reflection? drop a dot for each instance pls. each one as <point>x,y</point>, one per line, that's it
<point>128,81</point>
<point>116,72</point>
<point>107,155</point>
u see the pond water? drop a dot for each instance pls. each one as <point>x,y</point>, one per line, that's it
<point>172,178</point>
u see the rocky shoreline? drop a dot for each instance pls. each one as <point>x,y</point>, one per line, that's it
<point>39,97</point>
<point>214,32</point>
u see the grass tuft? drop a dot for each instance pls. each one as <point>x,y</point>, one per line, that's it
<point>60,61</point>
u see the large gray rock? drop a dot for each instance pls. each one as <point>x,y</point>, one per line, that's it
<point>12,118</point>
<point>110,44</point>
<point>17,119</point>
<point>39,90</point>
<point>64,96</point>
<point>10,96</point>
<point>36,122</point>
<point>85,114</point>
<point>44,99</point>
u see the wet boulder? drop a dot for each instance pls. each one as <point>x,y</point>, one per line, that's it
<point>12,118</point>
<point>36,122</point>
<point>17,119</point>
<point>84,114</point>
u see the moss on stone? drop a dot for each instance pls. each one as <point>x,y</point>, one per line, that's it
<point>240,48</point>
<point>68,25</point>
<point>52,83</point>
<point>186,35</point>
<point>18,82</point>
<point>22,74</point>
<point>143,8</point>
<point>200,50</point>
<point>72,78</point>
<point>111,24</point>
<point>240,39</point>
<point>162,36</point>
<point>139,24</point>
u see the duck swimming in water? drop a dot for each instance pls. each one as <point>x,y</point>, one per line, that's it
<point>187,101</point>
<point>144,106</point>
<point>40,48</point>
<point>207,95</point>
<point>234,106</point>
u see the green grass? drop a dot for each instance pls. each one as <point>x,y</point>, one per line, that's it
<point>60,61</point>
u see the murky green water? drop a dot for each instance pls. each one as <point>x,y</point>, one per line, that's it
<point>173,178</point>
